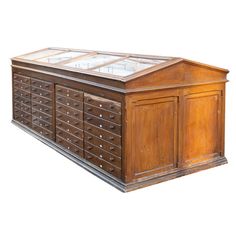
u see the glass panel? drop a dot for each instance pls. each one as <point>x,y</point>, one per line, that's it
<point>128,66</point>
<point>61,57</point>
<point>92,61</point>
<point>40,54</point>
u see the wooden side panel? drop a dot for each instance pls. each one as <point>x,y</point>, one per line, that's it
<point>202,126</point>
<point>152,135</point>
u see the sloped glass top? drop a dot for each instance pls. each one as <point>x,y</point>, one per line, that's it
<point>128,66</point>
<point>92,61</point>
<point>41,54</point>
<point>61,57</point>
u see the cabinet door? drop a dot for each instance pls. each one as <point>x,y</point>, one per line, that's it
<point>202,121</point>
<point>154,136</point>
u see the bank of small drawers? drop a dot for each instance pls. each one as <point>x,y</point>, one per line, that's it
<point>69,119</point>
<point>102,136</point>
<point>22,99</point>
<point>41,96</point>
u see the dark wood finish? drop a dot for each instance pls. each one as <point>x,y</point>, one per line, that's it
<point>149,127</point>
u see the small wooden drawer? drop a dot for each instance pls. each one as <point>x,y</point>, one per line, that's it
<point>103,103</point>
<point>22,107</point>
<point>23,114</point>
<point>69,120</point>
<point>41,92</point>
<point>103,124</point>
<point>22,93</point>
<point>41,84</point>
<point>103,134</point>
<point>70,138</point>
<point>22,86</point>
<point>22,79</point>
<point>22,120</point>
<point>70,147</point>
<point>41,108</point>
<point>42,131</point>
<point>69,111</point>
<point>69,93</point>
<point>104,114</point>
<point>41,123</point>
<point>70,103</point>
<point>69,128</point>
<point>41,100</point>
<point>42,116</point>
<point>114,160</point>
<point>103,165</point>
<point>102,144</point>
<point>22,100</point>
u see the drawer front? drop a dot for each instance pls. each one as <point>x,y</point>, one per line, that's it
<point>23,114</point>
<point>98,152</point>
<point>22,120</point>
<point>70,147</point>
<point>22,107</point>
<point>103,134</point>
<point>103,124</point>
<point>22,100</point>
<point>41,84</point>
<point>41,123</point>
<point>69,93</point>
<point>102,144</point>
<point>22,79</point>
<point>41,92</point>
<point>41,100</point>
<point>70,138</point>
<point>70,102</point>
<point>68,128</point>
<point>22,93</point>
<point>102,103</point>
<point>104,114</point>
<point>41,108</point>
<point>103,165</point>
<point>69,120</point>
<point>22,86</point>
<point>42,116</point>
<point>69,111</point>
<point>46,133</point>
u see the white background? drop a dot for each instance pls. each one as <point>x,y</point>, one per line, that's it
<point>43,193</point>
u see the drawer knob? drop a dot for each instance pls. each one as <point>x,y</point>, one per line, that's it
<point>112,148</point>
<point>111,138</point>
<point>89,118</point>
<point>100,166</point>
<point>89,138</point>
<point>89,147</point>
<point>112,127</point>
<point>111,158</point>
<point>112,116</point>
<point>89,109</point>
<point>68,104</point>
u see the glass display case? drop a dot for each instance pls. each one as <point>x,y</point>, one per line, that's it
<point>132,120</point>
<point>120,65</point>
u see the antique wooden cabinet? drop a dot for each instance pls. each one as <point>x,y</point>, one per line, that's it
<point>132,120</point>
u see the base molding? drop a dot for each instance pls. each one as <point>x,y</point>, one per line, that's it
<point>124,187</point>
